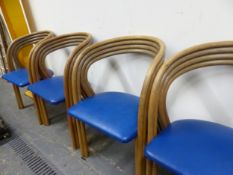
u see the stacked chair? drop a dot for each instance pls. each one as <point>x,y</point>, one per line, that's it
<point>18,74</point>
<point>188,147</point>
<point>54,89</point>
<point>113,113</point>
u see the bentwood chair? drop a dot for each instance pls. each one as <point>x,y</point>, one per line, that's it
<point>112,113</point>
<point>18,74</point>
<point>188,147</point>
<point>47,88</point>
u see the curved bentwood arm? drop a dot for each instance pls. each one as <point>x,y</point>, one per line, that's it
<point>81,88</point>
<point>22,42</point>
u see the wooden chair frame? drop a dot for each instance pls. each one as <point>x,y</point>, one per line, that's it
<point>81,88</point>
<point>38,70</point>
<point>205,55</point>
<point>13,51</point>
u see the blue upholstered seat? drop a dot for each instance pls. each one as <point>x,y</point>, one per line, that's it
<point>113,113</point>
<point>51,90</point>
<point>194,147</point>
<point>18,77</point>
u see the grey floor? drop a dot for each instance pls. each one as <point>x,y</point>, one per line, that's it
<point>107,156</point>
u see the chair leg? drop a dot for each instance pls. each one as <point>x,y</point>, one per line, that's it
<point>140,161</point>
<point>73,132</point>
<point>82,139</point>
<point>151,168</point>
<point>43,112</point>
<point>148,167</point>
<point>37,109</point>
<point>155,169</point>
<point>18,97</point>
<point>76,134</point>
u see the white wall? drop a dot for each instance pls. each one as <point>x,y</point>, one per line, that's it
<point>179,23</point>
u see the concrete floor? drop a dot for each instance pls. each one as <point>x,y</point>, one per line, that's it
<point>107,156</point>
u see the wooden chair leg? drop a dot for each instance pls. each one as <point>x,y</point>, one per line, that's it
<point>82,139</point>
<point>140,161</point>
<point>37,109</point>
<point>43,112</point>
<point>148,167</point>
<point>18,97</point>
<point>155,169</point>
<point>151,168</point>
<point>73,132</point>
<point>76,134</point>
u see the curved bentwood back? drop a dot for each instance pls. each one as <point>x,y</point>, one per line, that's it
<point>22,42</point>
<point>38,67</point>
<point>209,54</point>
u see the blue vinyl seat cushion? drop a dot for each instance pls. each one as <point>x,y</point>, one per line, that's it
<point>18,77</point>
<point>51,89</point>
<point>113,113</point>
<point>194,147</point>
